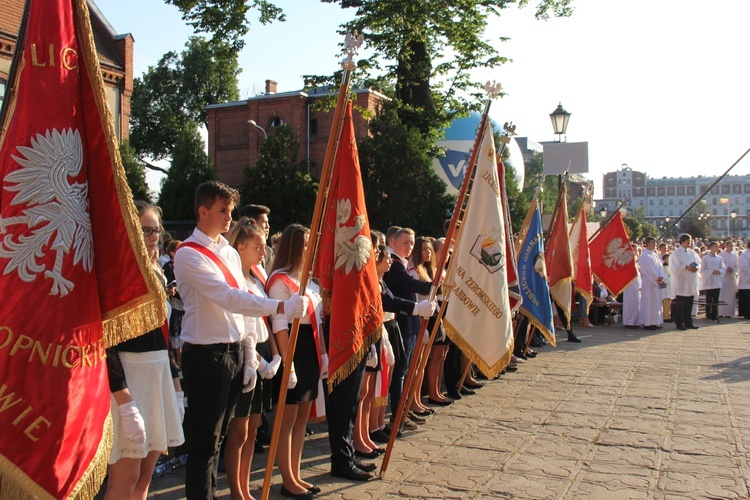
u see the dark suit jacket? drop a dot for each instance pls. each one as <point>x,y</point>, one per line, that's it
<point>405,286</point>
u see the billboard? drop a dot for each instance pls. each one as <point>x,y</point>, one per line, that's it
<point>559,156</point>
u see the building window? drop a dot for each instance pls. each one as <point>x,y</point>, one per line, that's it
<point>680,191</point>
<point>725,189</point>
<point>661,202</point>
<point>2,90</point>
<point>747,188</point>
<point>670,191</point>
<point>314,126</point>
<point>671,201</point>
<point>314,170</point>
<point>276,122</point>
<point>736,188</point>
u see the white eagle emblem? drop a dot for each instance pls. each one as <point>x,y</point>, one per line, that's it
<point>56,213</point>
<point>618,254</point>
<point>350,253</point>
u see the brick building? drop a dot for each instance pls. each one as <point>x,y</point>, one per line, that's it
<point>234,144</point>
<point>115,57</point>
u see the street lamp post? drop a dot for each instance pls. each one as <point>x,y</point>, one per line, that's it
<point>560,119</point>
<point>253,124</point>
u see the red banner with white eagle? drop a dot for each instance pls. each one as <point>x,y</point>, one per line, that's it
<point>74,277</point>
<point>345,264</point>
<point>612,257</point>
<point>579,251</point>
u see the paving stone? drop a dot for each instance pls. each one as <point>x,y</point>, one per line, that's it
<point>625,414</point>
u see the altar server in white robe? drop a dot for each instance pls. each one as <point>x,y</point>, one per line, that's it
<point>743,283</point>
<point>728,294</point>
<point>631,302</point>
<point>685,265</point>
<point>653,280</point>
<point>712,273</point>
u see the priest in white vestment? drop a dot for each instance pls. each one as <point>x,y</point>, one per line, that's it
<point>712,273</point>
<point>653,281</point>
<point>631,303</point>
<point>684,264</point>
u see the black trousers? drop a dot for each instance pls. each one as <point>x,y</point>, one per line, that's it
<point>341,411</point>
<point>712,297</point>
<point>452,368</point>
<point>683,311</point>
<point>743,303</point>
<point>213,382</point>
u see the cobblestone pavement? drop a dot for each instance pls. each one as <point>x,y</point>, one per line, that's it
<point>625,414</point>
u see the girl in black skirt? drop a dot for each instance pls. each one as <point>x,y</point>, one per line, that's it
<point>310,362</point>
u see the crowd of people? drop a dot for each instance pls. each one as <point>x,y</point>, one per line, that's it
<point>674,278</point>
<point>233,292</point>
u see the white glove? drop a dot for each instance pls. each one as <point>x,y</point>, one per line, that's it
<point>292,379</point>
<point>424,309</point>
<point>131,421</point>
<point>372,357</point>
<point>323,366</point>
<point>296,306</point>
<point>181,404</point>
<point>251,369</point>
<point>426,337</point>
<point>268,370</point>
<point>390,358</point>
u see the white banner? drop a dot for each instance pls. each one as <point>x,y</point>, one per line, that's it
<point>478,316</point>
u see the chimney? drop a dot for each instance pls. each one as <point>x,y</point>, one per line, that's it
<point>270,87</point>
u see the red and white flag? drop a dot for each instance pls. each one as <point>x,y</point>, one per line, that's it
<point>612,257</point>
<point>74,274</point>
<point>579,251</point>
<point>345,264</point>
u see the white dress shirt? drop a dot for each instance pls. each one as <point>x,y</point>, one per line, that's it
<point>743,276</point>
<point>256,326</point>
<point>280,290</point>
<point>213,309</point>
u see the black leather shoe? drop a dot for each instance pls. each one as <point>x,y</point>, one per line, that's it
<point>573,338</point>
<point>454,394</point>
<point>387,431</point>
<point>363,454</point>
<point>511,368</point>
<point>682,328</point>
<point>478,385</point>
<point>414,418</point>
<point>443,403</point>
<point>379,436</point>
<point>259,448</point>
<point>286,493</point>
<point>693,327</point>
<point>352,472</point>
<point>314,490</point>
<point>531,353</point>
<point>465,391</point>
<point>365,466</point>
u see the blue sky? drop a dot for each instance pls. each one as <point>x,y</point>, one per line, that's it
<point>659,85</point>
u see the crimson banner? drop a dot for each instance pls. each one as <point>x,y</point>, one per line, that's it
<point>345,264</point>
<point>612,257</point>
<point>74,277</point>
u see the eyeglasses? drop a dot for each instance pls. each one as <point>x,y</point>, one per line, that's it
<point>148,231</point>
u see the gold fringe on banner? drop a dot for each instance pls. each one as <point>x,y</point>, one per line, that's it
<point>549,335</point>
<point>347,368</point>
<point>15,484</point>
<point>489,371</point>
<point>147,312</point>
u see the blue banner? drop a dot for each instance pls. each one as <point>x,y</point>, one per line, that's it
<point>532,278</point>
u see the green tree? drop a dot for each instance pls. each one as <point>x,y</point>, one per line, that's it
<point>177,90</point>
<point>190,167</point>
<point>226,20</point>
<point>696,221</point>
<point>401,187</point>
<point>281,181</point>
<point>429,50</point>
<point>535,178</point>
<point>135,173</point>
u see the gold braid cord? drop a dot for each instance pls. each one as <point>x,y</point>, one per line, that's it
<point>148,312</point>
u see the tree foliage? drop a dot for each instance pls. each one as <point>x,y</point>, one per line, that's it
<point>226,20</point>
<point>401,187</point>
<point>190,168</point>
<point>429,50</point>
<point>135,172</point>
<point>177,90</point>
<point>696,223</point>
<point>281,181</point>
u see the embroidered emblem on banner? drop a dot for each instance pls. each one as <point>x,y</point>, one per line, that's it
<point>488,252</point>
<point>55,213</point>
<point>618,254</point>
<point>352,250</point>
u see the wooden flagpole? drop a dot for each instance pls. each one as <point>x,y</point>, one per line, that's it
<point>353,42</point>
<point>420,347</point>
